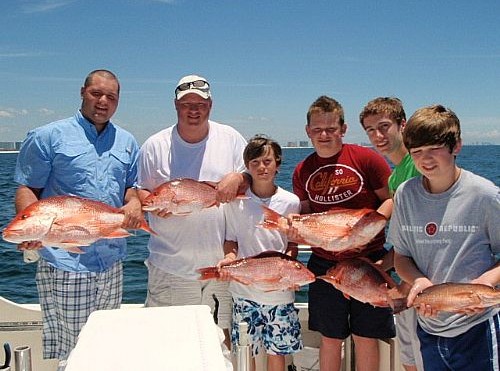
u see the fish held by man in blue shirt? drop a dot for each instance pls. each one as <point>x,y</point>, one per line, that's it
<point>67,222</point>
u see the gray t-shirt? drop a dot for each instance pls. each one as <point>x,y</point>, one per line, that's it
<point>452,237</point>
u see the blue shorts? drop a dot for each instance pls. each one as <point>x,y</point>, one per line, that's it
<point>335,316</point>
<point>476,349</point>
<point>276,328</point>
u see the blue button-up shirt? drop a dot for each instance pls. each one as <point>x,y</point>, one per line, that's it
<point>69,157</point>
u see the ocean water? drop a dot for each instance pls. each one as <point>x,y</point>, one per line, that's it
<point>17,279</point>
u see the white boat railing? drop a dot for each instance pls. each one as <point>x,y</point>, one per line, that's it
<point>21,326</point>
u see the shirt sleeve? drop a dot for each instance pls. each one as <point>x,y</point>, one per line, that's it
<point>131,180</point>
<point>240,144</point>
<point>492,225</point>
<point>298,187</point>
<point>379,171</point>
<point>394,235</point>
<point>34,162</point>
<point>231,221</point>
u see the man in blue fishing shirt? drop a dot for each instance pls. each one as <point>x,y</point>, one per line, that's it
<point>88,156</point>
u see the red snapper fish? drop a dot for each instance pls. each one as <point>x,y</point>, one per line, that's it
<point>67,222</point>
<point>364,281</point>
<point>334,230</point>
<point>268,271</point>
<point>181,196</point>
<point>457,297</point>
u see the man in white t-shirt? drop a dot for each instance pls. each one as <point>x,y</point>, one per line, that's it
<point>200,149</point>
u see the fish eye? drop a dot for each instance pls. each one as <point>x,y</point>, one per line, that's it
<point>24,216</point>
<point>298,266</point>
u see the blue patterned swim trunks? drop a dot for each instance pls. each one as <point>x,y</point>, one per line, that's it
<point>276,328</point>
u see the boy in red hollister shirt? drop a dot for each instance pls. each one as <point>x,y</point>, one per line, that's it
<point>339,175</point>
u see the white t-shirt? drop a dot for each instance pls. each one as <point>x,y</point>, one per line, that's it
<point>186,243</point>
<point>242,219</point>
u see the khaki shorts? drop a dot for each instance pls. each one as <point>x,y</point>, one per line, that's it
<point>165,289</point>
<point>409,345</point>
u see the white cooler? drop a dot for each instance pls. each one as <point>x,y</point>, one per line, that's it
<point>167,338</point>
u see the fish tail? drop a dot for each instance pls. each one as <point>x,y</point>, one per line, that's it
<point>271,218</point>
<point>208,273</point>
<point>397,301</point>
<point>398,305</point>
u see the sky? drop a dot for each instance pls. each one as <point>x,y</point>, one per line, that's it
<point>266,60</point>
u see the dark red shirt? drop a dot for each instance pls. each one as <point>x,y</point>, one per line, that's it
<point>346,180</point>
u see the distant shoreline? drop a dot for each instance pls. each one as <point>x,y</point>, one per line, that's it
<point>283,147</point>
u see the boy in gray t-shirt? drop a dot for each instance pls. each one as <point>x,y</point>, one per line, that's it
<point>444,229</point>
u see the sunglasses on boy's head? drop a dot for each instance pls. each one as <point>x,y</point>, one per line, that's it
<point>198,84</point>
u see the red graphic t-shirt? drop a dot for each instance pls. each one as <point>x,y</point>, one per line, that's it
<point>345,180</point>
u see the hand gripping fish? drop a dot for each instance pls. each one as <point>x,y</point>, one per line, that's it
<point>366,282</point>
<point>457,297</point>
<point>67,222</point>
<point>268,271</point>
<point>182,196</point>
<point>335,230</point>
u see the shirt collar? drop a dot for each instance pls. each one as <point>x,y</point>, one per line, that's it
<point>90,127</point>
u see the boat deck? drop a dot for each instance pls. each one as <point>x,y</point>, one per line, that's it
<point>21,325</point>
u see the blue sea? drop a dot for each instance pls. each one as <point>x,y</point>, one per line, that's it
<point>17,279</point>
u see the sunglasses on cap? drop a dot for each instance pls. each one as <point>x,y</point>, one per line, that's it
<point>198,84</point>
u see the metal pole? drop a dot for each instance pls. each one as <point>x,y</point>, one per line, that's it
<point>243,357</point>
<point>22,357</point>
<point>6,365</point>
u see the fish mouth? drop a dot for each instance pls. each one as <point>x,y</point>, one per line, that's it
<point>13,236</point>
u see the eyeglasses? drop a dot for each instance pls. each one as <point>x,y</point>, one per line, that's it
<point>198,84</point>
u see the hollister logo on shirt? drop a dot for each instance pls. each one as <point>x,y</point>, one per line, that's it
<point>332,184</point>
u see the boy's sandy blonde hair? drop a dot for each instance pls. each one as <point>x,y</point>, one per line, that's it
<point>390,106</point>
<point>326,104</point>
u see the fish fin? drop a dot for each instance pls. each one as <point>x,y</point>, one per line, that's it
<point>272,254</point>
<point>242,281</point>
<point>208,273</point>
<point>179,214</point>
<point>387,278</point>
<point>271,218</point>
<point>346,296</point>
<point>118,233</point>
<point>145,227</point>
<point>64,226</point>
